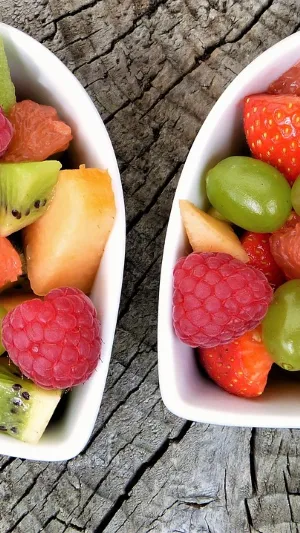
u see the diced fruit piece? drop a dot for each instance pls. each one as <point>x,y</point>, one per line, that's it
<point>281,326</point>
<point>38,132</point>
<point>65,246</point>
<point>272,128</point>
<point>10,264</point>
<point>22,282</point>
<point>25,192</point>
<point>288,82</point>
<point>295,196</point>
<point>14,297</point>
<point>258,250</point>
<point>285,247</point>
<point>6,133</point>
<point>25,409</point>
<point>217,298</point>
<point>7,89</point>
<point>240,367</point>
<point>207,234</point>
<point>55,342</point>
<point>250,193</point>
<point>3,313</point>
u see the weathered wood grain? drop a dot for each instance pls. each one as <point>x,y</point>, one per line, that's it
<point>154,69</point>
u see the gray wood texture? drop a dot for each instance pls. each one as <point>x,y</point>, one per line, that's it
<point>154,68</point>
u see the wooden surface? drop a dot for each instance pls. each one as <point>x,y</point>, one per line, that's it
<point>154,69</point>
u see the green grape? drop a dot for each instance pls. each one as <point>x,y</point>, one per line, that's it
<point>249,193</point>
<point>295,195</point>
<point>281,326</point>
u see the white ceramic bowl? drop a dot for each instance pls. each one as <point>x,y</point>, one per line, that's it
<point>39,75</point>
<point>184,390</point>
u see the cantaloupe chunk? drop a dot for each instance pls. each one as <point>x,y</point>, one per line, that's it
<point>64,247</point>
<point>207,234</point>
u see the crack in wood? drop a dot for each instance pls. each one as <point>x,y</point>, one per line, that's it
<point>49,519</point>
<point>253,475</point>
<point>77,11</point>
<point>29,489</point>
<point>155,197</point>
<point>111,414</point>
<point>288,498</point>
<point>69,524</point>
<point>6,463</point>
<point>210,50</point>
<point>125,307</point>
<point>157,455</point>
<point>248,515</point>
<point>120,37</point>
<point>112,459</point>
<point>142,347</point>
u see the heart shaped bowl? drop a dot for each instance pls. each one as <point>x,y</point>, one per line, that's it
<point>185,391</point>
<point>40,76</point>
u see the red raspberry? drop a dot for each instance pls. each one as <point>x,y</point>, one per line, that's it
<point>55,342</point>
<point>217,298</point>
<point>6,132</point>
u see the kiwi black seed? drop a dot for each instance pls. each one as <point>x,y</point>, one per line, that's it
<point>26,395</point>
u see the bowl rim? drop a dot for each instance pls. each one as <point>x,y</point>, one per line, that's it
<point>71,446</point>
<point>165,334</point>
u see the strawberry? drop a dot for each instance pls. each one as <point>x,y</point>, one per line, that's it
<point>240,367</point>
<point>272,127</point>
<point>258,250</point>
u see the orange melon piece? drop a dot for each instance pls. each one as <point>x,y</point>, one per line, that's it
<point>208,234</point>
<point>64,247</point>
<point>10,265</point>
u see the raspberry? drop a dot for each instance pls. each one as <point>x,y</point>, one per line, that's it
<point>217,298</point>
<point>55,342</point>
<point>6,133</point>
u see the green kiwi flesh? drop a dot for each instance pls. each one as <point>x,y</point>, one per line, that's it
<point>25,408</point>
<point>26,189</point>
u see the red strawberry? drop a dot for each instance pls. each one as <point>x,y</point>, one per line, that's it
<point>272,127</point>
<point>240,367</point>
<point>258,250</point>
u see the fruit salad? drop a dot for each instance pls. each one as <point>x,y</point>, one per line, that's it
<point>236,296</point>
<point>54,225</point>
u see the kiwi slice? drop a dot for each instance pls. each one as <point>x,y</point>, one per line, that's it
<point>7,89</point>
<point>26,190</point>
<point>25,408</point>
